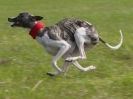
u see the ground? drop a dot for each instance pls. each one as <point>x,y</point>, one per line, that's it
<point>24,63</point>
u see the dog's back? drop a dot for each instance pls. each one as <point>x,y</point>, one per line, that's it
<point>66,28</point>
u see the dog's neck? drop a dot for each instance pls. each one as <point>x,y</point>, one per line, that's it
<point>38,26</point>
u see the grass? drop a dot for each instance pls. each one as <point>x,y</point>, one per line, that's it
<point>23,62</point>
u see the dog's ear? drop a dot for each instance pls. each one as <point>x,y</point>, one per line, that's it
<point>37,18</point>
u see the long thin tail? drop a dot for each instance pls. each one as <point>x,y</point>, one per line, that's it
<point>114,47</point>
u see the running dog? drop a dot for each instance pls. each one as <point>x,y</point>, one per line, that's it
<point>67,39</point>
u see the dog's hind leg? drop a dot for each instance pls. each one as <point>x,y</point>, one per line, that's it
<point>84,69</point>
<point>65,66</point>
<point>80,40</point>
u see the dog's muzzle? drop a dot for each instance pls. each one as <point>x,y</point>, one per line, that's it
<point>12,20</point>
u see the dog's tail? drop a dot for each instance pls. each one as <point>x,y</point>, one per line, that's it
<point>114,47</point>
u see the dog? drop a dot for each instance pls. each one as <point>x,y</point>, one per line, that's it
<point>67,39</point>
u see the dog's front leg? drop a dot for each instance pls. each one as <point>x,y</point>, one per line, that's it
<point>63,48</point>
<point>81,68</point>
<point>64,69</point>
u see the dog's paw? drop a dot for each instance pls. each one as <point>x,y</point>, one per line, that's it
<point>51,74</point>
<point>70,59</point>
<point>90,68</point>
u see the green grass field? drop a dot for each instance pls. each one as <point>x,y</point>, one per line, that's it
<point>24,63</point>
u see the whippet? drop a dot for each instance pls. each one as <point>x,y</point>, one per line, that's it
<point>68,39</point>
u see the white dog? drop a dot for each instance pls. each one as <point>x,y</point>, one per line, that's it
<point>69,38</point>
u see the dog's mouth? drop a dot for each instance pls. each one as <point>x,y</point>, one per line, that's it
<point>13,22</point>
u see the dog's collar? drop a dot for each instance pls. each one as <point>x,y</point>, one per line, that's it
<point>36,28</point>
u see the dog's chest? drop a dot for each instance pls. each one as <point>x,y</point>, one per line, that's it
<point>47,43</point>
<point>44,40</point>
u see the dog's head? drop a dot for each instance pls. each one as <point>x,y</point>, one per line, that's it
<point>24,19</point>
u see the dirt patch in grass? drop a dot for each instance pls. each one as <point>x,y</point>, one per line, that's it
<point>5,61</point>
